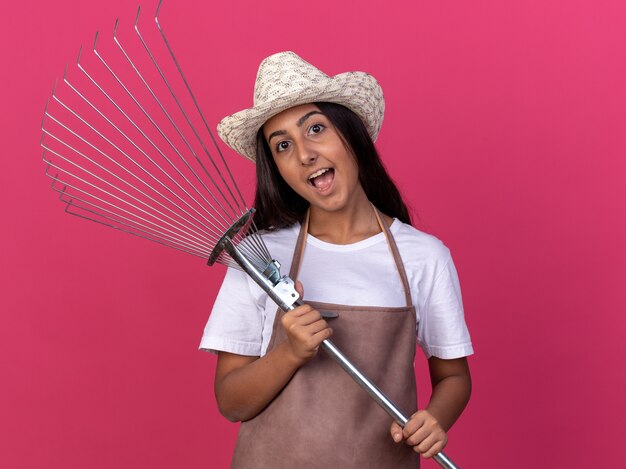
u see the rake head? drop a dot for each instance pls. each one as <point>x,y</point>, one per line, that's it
<point>124,143</point>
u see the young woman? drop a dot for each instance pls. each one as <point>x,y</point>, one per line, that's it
<point>371,281</point>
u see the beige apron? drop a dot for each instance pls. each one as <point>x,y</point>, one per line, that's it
<point>322,418</point>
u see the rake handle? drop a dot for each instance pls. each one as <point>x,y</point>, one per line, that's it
<point>375,393</point>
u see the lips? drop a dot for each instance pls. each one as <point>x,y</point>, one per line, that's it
<point>322,179</point>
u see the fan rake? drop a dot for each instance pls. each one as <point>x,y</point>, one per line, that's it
<point>124,143</point>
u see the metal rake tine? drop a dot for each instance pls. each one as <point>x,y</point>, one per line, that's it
<point>45,111</point>
<point>189,123</point>
<point>121,151</point>
<point>261,250</point>
<point>252,254</point>
<point>158,10</point>
<point>259,241</point>
<point>55,179</point>
<point>193,97</point>
<point>163,155</point>
<point>109,121</point>
<point>100,199</point>
<point>247,245</point>
<point>178,131</point>
<point>112,160</point>
<point>134,230</point>
<point>47,172</point>
<point>99,188</point>
<point>255,244</point>
<point>71,203</point>
<point>264,247</point>
<point>135,145</point>
<point>102,210</point>
<point>163,233</point>
<point>111,175</point>
<point>138,128</point>
<point>75,114</point>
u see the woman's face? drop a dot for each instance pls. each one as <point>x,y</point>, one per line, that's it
<point>313,159</point>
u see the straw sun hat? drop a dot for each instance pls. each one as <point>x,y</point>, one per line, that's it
<point>285,80</point>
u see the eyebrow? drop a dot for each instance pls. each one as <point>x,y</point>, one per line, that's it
<point>275,134</point>
<point>301,121</point>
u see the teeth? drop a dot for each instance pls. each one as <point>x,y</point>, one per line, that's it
<point>318,173</point>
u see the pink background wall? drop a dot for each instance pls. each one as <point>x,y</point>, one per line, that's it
<point>505,128</point>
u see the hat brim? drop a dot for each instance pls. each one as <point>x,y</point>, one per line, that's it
<point>358,91</point>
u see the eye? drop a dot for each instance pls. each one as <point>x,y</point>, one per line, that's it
<point>282,146</point>
<point>316,128</point>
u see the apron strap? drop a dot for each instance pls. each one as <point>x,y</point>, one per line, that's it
<point>298,251</point>
<point>393,247</point>
<point>301,242</point>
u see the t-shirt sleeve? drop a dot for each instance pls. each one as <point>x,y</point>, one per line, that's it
<point>442,331</point>
<point>236,321</point>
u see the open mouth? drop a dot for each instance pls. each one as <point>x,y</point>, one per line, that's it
<point>322,179</point>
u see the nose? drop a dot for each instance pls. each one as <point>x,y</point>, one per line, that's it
<point>307,154</point>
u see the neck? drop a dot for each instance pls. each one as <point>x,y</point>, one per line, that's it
<point>345,226</point>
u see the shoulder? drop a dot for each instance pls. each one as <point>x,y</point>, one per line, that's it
<point>417,246</point>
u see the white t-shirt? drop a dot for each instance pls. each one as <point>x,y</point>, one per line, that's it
<point>362,273</point>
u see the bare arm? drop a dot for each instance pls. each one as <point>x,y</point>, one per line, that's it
<point>452,387</point>
<point>426,429</point>
<point>244,385</point>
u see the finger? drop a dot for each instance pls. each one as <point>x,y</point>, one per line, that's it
<point>396,432</point>
<point>309,329</point>
<point>293,320</point>
<point>431,445</point>
<point>436,448</point>
<point>316,326</point>
<point>421,442</point>
<point>416,422</point>
<point>309,318</point>
<point>298,312</point>
<point>299,288</point>
<point>312,334</point>
<point>321,336</point>
<point>418,436</point>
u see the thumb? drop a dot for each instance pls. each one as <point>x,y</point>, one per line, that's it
<point>396,432</point>
<point>299,288</point>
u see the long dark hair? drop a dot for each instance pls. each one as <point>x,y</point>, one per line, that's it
<point>278,205</point>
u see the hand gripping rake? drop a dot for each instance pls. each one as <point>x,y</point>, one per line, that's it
<point>126,149</point>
